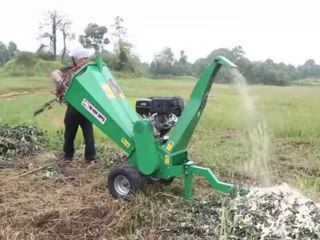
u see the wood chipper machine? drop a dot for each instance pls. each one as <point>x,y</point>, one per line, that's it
<point>155,136</point>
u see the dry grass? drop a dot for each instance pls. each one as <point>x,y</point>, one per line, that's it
<point>76,205</point>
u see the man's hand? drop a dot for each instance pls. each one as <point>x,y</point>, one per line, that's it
<point>56,76</point>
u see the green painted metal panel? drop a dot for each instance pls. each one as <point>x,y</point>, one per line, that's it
<point>167,172</point>
<point>188,186</point>
<point>171,165</point>
<point>212,179</point>
<point>189,119</point>
<point>133,158</point>
<point>146,148</point>
<point>226,62</point>
<point>93,93</point>
<point>179,157</point>
<point>121,98</point>
<point>183,131</point>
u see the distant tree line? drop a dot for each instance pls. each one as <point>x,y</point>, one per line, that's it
<point>267,72</point>
<point>56,30</point>
<point>164,63</point>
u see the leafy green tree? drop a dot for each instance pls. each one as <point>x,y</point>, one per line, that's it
<point>12,49</point>
<point>109,58</point>
<point>123,53</point>
<point>163,62</point>
<point>200,65</point>
<point>4,55</point>
<point>7,52</point>
<point>183,57</point>
<point>309,69</point>
<point>267,72</point>
<point>182,67</point>
<point>122,48</point>
<point>94,37</point>
<point>238,52</point>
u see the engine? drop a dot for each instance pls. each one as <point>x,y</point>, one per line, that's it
<point>161,112</point>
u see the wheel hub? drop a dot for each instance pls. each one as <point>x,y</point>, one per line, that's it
<point>122,185</point>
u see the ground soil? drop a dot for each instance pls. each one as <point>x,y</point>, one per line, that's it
<point>71,201</point>
<point>11,95</point>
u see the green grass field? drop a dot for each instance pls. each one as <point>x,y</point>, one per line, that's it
<point>18,84</point>
<point>282,130</point>
<point>221,140</point>
<point>307,82</point>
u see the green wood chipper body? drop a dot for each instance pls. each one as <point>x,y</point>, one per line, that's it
<point>95,93</point>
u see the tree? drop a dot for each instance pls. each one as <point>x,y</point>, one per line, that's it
<point>12,49</point>
<point>52,23</point>
<point>123,53</point>
<point>126,61</point>
<point>7,52</point>
<point>309,69</point>
<point>66,35</point>
<point>182,67</point>
<point>94,37</point>
<point>238,52</point>
<point>122,48</point>
<point>267,72</point>
<point>200,65</point>
<point>269,62</point>
<point>110,59</point>
<point>4,56</point>
<point>120,32</point>
<point>167,56</point>
<point>183,57</point>
<point>163,62</point>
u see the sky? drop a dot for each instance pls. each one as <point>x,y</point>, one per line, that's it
<point>285,31</point>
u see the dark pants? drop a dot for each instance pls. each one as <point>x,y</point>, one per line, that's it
<point>72,121</point>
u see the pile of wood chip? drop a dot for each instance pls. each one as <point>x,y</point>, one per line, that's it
<point>266,213</point>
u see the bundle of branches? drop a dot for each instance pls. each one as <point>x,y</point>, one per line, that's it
<point>24,140</point>
<point>61,90</point>
<point>46,106</point>
<point>273,213</point>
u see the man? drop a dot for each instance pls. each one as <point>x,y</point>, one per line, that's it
<point>73,118</point>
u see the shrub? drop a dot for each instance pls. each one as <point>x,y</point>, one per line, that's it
<point>29,64</point>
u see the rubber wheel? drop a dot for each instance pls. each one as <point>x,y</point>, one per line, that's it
<point>124,181</point>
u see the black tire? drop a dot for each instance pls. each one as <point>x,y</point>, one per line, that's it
<point>125,180</point>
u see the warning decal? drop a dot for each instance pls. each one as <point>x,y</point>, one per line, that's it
<point>116,89</point>
<point>170,145</point>
<point>91,109</point>
<point>108,91</point>
<point>125,142</point>
<point>167,160</point>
